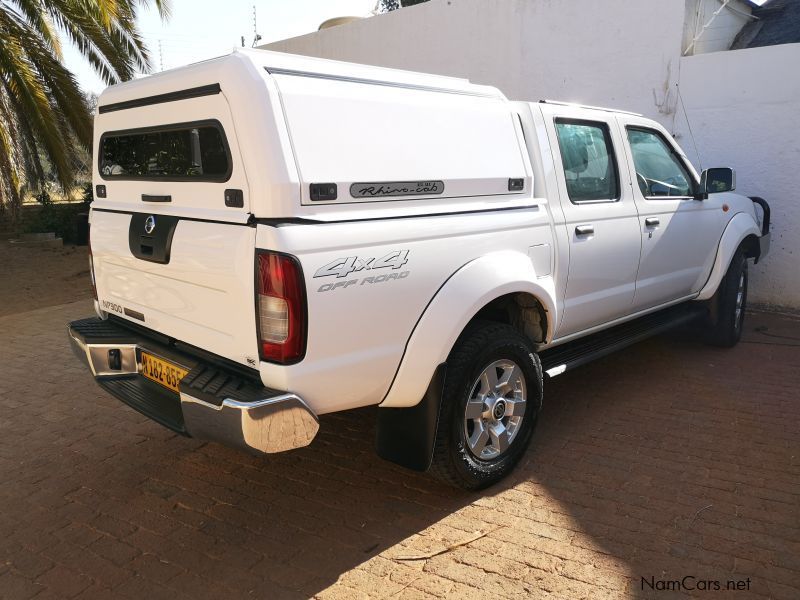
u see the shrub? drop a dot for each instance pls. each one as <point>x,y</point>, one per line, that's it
<point>44,198</point>
<point>59,218</point>
<point>87,193</point>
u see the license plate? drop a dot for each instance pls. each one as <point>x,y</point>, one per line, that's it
<point>162,372</point>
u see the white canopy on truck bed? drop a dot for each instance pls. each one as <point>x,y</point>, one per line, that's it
<point>304,133</point>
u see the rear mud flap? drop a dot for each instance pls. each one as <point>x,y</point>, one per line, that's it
<point>407,436</point>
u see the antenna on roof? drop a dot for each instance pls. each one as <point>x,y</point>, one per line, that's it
<point>689,125</point>
<point>256,36</point>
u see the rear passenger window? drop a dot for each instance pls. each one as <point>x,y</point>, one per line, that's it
<point>588,158</point>
<point>181,152</point>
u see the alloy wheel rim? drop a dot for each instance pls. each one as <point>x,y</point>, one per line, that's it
<point>495,409</point>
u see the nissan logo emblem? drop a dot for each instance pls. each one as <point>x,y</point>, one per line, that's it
<point>149,224</point>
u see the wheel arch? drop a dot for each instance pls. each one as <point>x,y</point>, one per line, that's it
<point>522,310</point>
<point>500,286</point>
<point>742,230</point>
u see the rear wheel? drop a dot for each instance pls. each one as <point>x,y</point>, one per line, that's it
<point>490,404</point>
<point>731,302</point>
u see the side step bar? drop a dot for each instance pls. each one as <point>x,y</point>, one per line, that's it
<point>584,350</point>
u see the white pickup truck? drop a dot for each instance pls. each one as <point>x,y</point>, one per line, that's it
<point>276,237</point>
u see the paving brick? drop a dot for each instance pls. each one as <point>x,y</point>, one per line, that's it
<point>95,592</point>
<point>100,569</point>
<point>17,587</point>
<point>137,588</point>
<point>27,563</point>
<point>111,526</point>
<point>118,552</point>
<point>78,534</point>
<point>64,582</point>
<point>154,569</point>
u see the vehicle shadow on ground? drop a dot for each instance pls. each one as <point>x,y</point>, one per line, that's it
<point>666,460</point>
<point>641,472</point>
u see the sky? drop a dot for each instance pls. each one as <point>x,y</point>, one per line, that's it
<point>200,29</point>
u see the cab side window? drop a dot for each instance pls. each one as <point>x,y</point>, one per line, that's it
<point>659,172</point>
<point>590,167</point>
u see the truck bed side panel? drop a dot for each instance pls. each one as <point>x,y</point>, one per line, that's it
<point>359,323</point>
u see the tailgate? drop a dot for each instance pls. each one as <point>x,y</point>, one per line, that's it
<point>203,296</point>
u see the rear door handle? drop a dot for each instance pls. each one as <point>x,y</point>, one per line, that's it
<point>584,230</point>
<point>652,222</point>
<point>149,198</point>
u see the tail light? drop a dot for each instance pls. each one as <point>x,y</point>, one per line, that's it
<point>91,265</point>
<point>281,304</point>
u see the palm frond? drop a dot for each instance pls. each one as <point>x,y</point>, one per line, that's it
<point>22,82</point>
<point>64,91</point>
<point>10,176</point>
<point>85,30</point>
<point>39,19</point>
<point>43,114</point>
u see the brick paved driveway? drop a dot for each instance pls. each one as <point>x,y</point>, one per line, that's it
<point>669,459</point>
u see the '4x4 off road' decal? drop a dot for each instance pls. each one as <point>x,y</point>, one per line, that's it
<point>342,267</point>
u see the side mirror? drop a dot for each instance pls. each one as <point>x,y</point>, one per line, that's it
<point>718,179</point>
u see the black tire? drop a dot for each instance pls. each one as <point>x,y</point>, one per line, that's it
<point>480,346</point>
<point>726,310</point>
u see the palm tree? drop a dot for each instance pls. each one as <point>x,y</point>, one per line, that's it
<point>42,109</point>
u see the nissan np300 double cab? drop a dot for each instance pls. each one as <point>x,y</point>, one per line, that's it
<point>276,237</point>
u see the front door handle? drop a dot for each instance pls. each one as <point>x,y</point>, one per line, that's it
<point>584,230</point>
<point>652,222</point>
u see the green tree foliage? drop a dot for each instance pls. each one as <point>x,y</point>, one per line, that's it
<point>43,113</point>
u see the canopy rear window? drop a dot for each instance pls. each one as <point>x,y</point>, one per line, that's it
<point>181,152</point>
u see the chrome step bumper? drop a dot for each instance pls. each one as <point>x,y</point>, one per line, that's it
<point>269,425</point>
<point>214,404</point>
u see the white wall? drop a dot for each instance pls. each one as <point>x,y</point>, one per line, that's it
<point>578,50</point>
<point>743,105</point>
<point>744,110</point>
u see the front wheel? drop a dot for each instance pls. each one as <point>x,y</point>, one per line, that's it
<point>731,302</point>
<point>490,404</point>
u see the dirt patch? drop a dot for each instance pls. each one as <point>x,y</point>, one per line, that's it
<point>33,278</point>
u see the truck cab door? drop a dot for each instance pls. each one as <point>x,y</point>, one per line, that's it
<point>600,216</point>
<point>679,234</point>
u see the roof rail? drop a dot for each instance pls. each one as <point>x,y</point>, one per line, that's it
<point>603,108</point>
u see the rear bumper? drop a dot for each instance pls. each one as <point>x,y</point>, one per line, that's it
<point>214,403</point>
